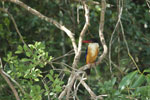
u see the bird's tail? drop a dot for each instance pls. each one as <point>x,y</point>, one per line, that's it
<point>88,71</point>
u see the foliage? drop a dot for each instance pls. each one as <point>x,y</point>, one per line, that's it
<point>26,66</point>
<point>31,66</point>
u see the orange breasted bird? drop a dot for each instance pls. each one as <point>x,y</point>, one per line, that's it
<point>91,52</point>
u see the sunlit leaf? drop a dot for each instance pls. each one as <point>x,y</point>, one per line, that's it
<point>146,70</point>
<point>25,59</point>
<point>18,52</point>
<point>139,81</point>
<point>25,47</point>
<point>127,80</point>
<point>28,54</point>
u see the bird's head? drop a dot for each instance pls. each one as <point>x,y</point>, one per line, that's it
<point>93,40</point>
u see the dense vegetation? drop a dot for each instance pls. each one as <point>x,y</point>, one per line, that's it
<point>35,59</point>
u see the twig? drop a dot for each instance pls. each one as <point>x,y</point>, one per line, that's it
<point>93,96</point>
<point>101,27</point>
<point>8,82</point>
<point>128,48</point>
<point>110,42</point>
<point>22,90</point>
<point>76,88</point>
<point>67,54</point>
<point>13,20</point>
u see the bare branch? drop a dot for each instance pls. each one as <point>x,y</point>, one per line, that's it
<point>58,25</point>
<point>101,27</point>
<point>22,90</point>
<point>148,3</point>
<point>77,87</point>
<point>77,56</point>
<point>93,96</point>
<point>102,39</point>
<point>129,54</point>
<point>72,77</point>
<point>8,82</point>
<point>87,23</point>
<point>110,42</point>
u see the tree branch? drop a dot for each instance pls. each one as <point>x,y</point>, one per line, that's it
<point>101,28</point>
<point>8,82</point>
<point>72,77</point>
<point>54,22</point>
<point>102,39</point>
<point>110,42</point>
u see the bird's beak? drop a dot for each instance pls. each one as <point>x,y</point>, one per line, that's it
<point>86,41</point>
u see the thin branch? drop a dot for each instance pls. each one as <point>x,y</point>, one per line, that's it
<point>77,87</point>
<point>66,54</point>
<point>101,27</point>
<point>22,90</point>
<point>147,2</point>
<point>87,23</point>
<point>93,96</point>
<point>124,38</point>
<point>13,20</point>
<point>8,82</point>
<point>110,42</point>
<point>54,22</point>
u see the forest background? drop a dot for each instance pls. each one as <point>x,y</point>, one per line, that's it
<point>42,56</point>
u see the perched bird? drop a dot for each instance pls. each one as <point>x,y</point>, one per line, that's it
<point>91,52</point>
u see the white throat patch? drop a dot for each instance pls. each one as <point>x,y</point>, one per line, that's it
<point>93,47</point>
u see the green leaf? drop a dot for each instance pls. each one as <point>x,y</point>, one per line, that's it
<point>25,60</point>
<point>114,80</point>
<point>139,81</point>
<point>1,27</point>
<point>127,80</point>
<point>50,77</point>
<point>148,78</point>
<point>18,52</point>
<point>51,72</point>
<point>56,81</point>
<point>6,21</point>
<point>46,87</point>
<point>41,65</point>
<point>25,47</point>
<point>36,79</point>
<point>46,93</point>
<point>144,90</point>
<point>57,88</point>
<point>50,58</point>
<point>28,54</point>
<point>147,70</point>
<point>20,48</point>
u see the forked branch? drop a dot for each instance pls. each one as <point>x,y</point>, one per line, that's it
<point>101,36</point>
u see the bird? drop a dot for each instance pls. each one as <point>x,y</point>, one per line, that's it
<point>91,52</point>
